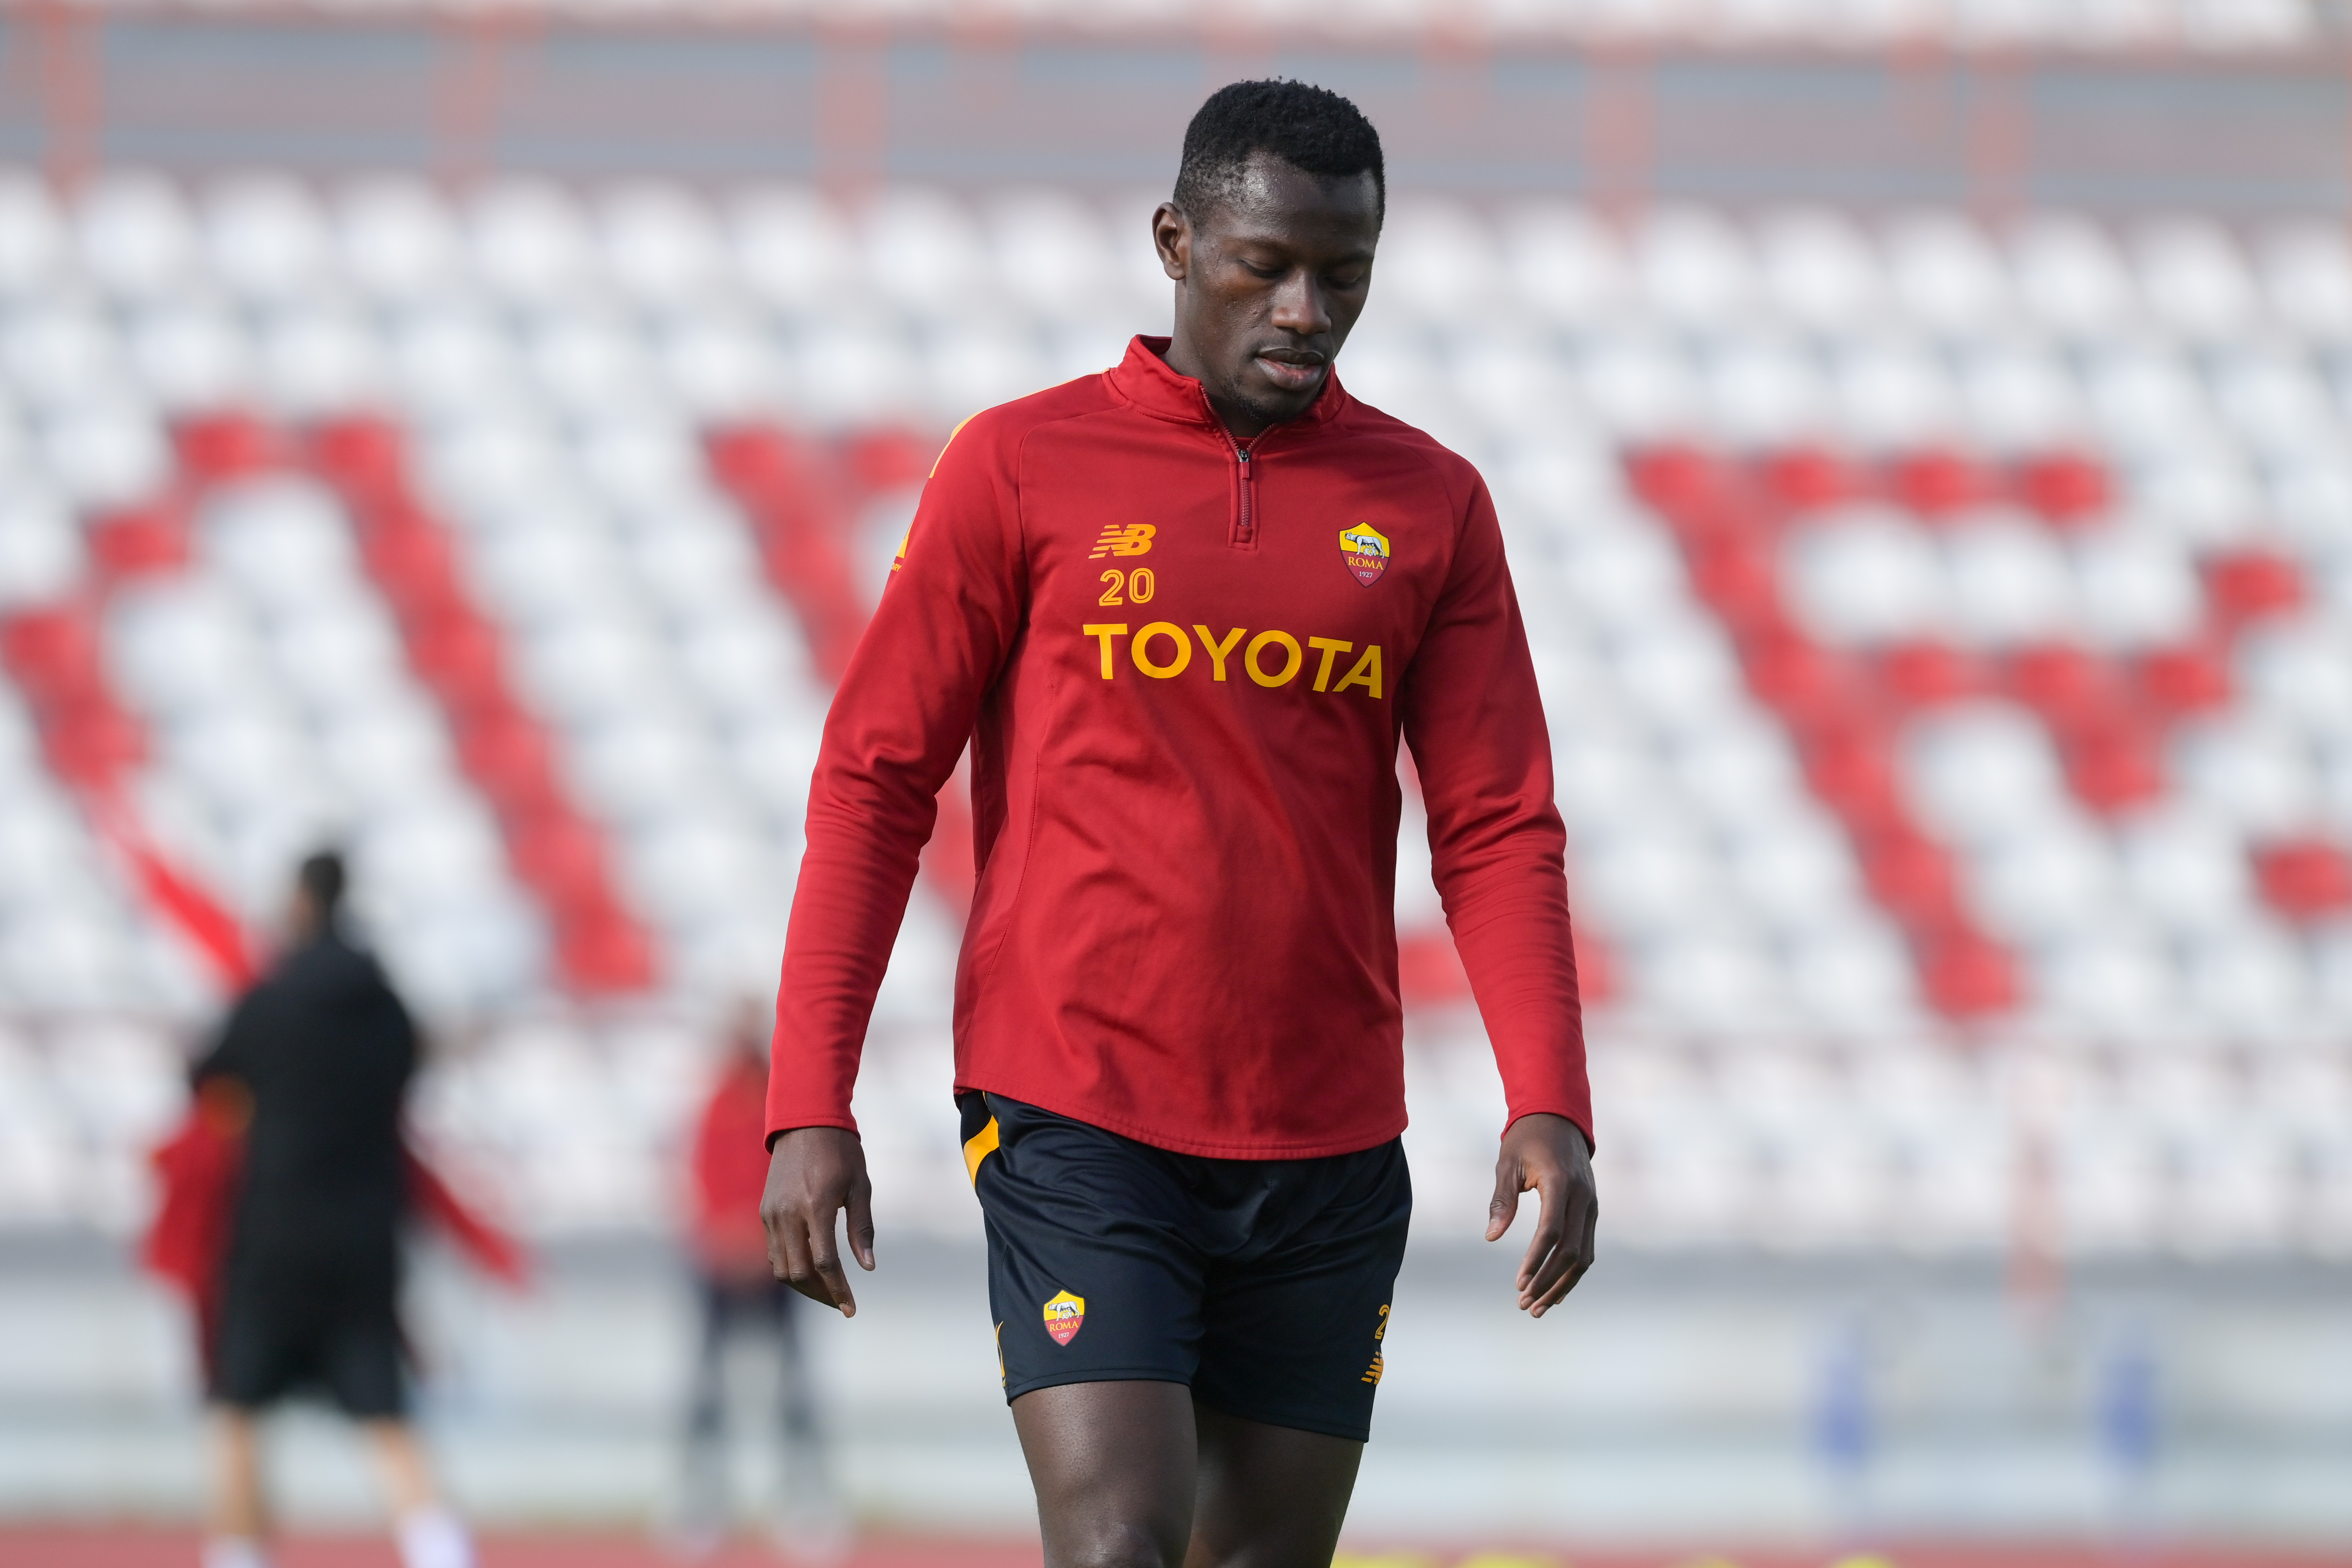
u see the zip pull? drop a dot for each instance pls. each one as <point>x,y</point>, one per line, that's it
<point>1245,523</point>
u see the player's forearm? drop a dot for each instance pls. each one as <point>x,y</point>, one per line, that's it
<point>855,877</point>
<point>1521,961</point>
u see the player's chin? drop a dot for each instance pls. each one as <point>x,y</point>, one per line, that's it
<point>1277,398</point>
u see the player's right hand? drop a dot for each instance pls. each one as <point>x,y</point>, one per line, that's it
<point>814,1173</point>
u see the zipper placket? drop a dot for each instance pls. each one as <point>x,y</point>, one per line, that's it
<point>1245,512</point>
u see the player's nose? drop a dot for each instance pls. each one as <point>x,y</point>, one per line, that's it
<point>1299,306</point>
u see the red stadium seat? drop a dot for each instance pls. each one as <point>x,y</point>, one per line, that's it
<point>457,655</point>
<point>1937,483</point>
<point>1737,577</point>
<point>360,456</point>
<point>751,461</point>
<point>1911,876</point>
<point>2305,880</point>
<point>1853,774</point>
<point>506,754</point>
<point>1429,970</point>
<point>1596,969</point>
<point>410,560</point>
<point>1679,482</point>
<point>1811,687</point>
<point>603,950</point>
<point>54,655</point>
<point>140,541</point>
<point>1967,976</point>
<point>560,857</point>
<point>214,447</point>
<point>2114,765</point>
<point>89,746</point>
<point>2181,680</point>
<point>2065,487</point>
<point>891,459</point>
<point>1920,674</point>
<point>2247,584</point>
<point>2068,686</point>
<point>1800,479</point>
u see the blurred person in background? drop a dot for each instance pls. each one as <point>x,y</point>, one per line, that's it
<point>319,1056</point>
<point>741,1300</point>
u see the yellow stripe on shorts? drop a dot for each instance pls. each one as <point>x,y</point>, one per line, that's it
<point>979,1147</point>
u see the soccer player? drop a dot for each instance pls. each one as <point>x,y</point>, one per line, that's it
<point>1183,612</point>
<point>322,1051</point>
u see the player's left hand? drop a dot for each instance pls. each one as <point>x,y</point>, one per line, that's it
<point>1547,1155</point>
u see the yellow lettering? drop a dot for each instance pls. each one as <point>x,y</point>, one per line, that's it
<point>1174,665</point>
<point>1104,633</point>
<point>1330,650</point>
<point>1295,656</point>
<point>1217,651</point>
<point>1367,673</point>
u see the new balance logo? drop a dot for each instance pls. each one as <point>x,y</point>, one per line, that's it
<point>1130,538</point>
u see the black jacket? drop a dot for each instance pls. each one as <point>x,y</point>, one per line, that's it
<point>326,1050</point>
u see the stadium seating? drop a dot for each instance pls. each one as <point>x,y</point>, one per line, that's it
<point>1946,635</point>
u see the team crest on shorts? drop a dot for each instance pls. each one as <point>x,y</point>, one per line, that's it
<point>1365,550</point>
<point>1064,1315</point>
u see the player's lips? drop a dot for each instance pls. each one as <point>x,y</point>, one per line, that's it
<point>1293,370</point>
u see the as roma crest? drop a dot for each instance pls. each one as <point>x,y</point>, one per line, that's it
<point>1365,549</point>
<point>1064,1315</point>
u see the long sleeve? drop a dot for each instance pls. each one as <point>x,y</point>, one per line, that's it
<point>1475,720</point>
<point>907,705</point>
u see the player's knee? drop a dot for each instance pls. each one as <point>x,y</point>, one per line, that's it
<point>1114,1543</point>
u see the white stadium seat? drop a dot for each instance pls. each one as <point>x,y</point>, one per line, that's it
<point>399,241</point>
<point>1053,254</point>
<point>192,356</point>
<point>61,356</point>
<point>41,556</point>
<point>323,361</point>
<point>1890,393</point>
<point>792,248</point>
<point>1865,574</point>
<point>267,239</point>
<point>32,234</point>
<point>136,237</point>
<point>2007,580</point>
<point>529,242</point>
<point>661,246</point>
<point>1948,276</point>
<point>2020,397</point>
<point>2307,276</point>
<point>2071,279</point>
<point>2195,281</point>
<point>1821,270</point>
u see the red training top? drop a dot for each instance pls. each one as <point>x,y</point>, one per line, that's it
<point>1183,664</point>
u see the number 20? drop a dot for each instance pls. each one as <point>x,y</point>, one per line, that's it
<point>1139,583</point>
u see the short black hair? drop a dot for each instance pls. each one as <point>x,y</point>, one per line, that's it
<point>322,879</point>
<point>1311,128</point>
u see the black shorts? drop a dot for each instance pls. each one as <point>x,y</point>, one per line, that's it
<point>1263,1285</point>
<point>288,1323</point>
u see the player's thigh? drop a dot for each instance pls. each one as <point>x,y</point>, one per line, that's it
<point>1294,1337</point>
<point>1268,1497</point>
<point>1114,1466</point>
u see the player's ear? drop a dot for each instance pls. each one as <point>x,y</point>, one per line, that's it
<point>1171,235</point>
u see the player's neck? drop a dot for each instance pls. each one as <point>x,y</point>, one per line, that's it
<point>1243,423</point>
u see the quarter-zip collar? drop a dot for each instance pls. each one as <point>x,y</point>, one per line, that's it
<point>1145,381</point>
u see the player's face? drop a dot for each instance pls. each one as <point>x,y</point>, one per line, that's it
<point>1268,285</point>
